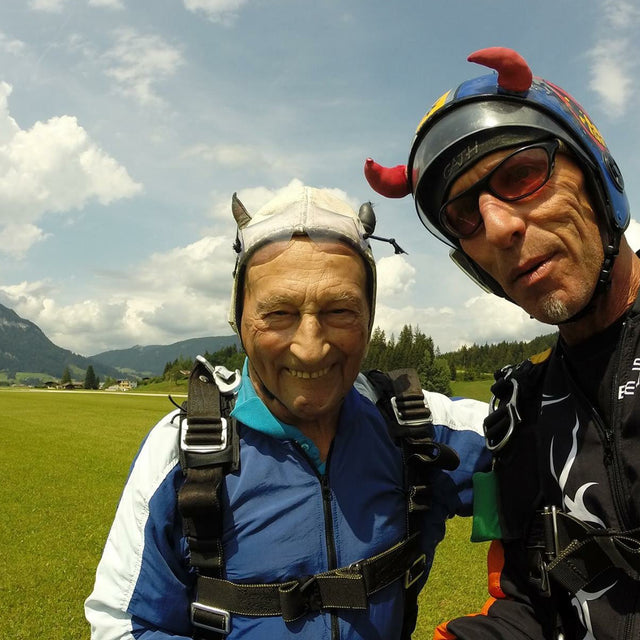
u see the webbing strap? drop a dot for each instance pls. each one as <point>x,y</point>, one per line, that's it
<point>579,553</point>
<point>414,428</point>
<point>345,588</point>
<point>207,452</point>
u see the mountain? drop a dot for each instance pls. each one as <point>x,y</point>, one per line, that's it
<point>24,347</point>
<point>150,360</point>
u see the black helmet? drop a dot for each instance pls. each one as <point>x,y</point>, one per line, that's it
<point>494,112</point>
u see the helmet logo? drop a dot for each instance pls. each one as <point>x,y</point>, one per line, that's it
<point>460,159</point>
<point>579,114</point>
<point>439,103</point>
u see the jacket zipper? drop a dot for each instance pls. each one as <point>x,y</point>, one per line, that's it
<point>332,556</point>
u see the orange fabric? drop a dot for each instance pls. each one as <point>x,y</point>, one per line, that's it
<point>495,565</point>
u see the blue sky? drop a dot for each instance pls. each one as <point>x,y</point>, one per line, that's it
<point>126,125</point>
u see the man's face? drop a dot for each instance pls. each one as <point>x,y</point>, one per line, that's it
<point>545,250</point>
<point>305,326</point>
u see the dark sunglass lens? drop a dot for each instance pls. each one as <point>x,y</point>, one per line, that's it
<point>522,174</point>
<point>462,216</point>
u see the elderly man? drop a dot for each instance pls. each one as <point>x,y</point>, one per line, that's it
<point>513,175</point>
<point>324,532</point>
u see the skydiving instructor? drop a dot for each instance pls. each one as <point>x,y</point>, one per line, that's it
<point>511,173</point>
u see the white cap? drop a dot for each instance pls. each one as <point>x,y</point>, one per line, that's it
<point>303,211</point>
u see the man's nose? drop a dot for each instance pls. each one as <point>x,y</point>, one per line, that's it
<point>309,343</point>
<point>502,221</point>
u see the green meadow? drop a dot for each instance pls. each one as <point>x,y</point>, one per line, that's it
<point>65,457</point>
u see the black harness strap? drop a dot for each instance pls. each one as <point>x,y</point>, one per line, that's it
<point>402,402</point>
<point>345,588</point>
<point>562,548</point>
<point>208,450</point>
<point>574,553</point>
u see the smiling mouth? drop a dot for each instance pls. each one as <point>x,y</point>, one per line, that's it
<point>309,375</point>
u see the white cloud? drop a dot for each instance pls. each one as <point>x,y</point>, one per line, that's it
<point>614,60</point>
<point>138,62</point>
<point>52,167</point>
<point>482,319</point>
<point>632,234</point>
<point>611,76</point>
<point>16,239</point>
<point>226,155</point>
<point>57,6</point>
<point>107,4</point>
<point>395,276</point>
<point>180,294</point>
<point>47,6</point>
<point>223,11</point>
<point>11,45</point>
<point>620,14</point>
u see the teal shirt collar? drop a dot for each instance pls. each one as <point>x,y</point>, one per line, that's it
<point>251,411</point>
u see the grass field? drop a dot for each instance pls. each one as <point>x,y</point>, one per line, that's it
<point>65,458</point>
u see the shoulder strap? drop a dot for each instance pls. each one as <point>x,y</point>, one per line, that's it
<point>209,449</point>
<point>404,406</point>
<point>512,391</point>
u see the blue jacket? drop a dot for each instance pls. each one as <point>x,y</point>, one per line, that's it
<point>275,526</point>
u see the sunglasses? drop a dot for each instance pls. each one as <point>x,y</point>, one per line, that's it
<point>517,176</point>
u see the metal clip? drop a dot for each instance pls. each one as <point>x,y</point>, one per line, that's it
<point>415,571</point>
<point>404,421</point>
<point>204,448</point>
<point>220,624</point>
<point>514,416</point>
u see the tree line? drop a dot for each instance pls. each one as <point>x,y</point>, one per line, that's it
<point>412,348</point>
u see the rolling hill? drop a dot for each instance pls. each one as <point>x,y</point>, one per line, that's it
<point>24,347</point>
<point>150,360</point>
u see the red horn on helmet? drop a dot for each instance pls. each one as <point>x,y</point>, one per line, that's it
<point>387,181</point>
<point>513,71</point>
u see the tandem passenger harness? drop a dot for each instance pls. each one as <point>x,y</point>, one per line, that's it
<point>563,550</point>
<point>209,449</point>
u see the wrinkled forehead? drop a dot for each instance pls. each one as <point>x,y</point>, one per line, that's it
<point>269,256</point>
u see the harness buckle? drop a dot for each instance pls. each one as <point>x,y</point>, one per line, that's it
<point>407,421</point>
<point>299,597</point>
<point>549,552</point>
<point>210,618</point>
<point>204,448</point>
<point>415,571</point>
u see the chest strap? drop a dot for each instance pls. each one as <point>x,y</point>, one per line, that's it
<point>344,588</point>
<point>573,553</point>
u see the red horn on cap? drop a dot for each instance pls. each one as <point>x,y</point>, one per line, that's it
<point>513,71</point>
<point>387,181</point>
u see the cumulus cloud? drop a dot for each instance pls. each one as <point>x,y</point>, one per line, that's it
<point>47,6</point>
<point>11,45</point>
<point>395,276</point>
<point>107,4</point>
<point>139,62</point>
<point>223,11</point>
<point>179,294</point>
<point>613,56</point>
<point>255,197</point>
<point>481,319</point>
<point>632,235</point>
<point>52,167</point>
<point>57,6</point>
